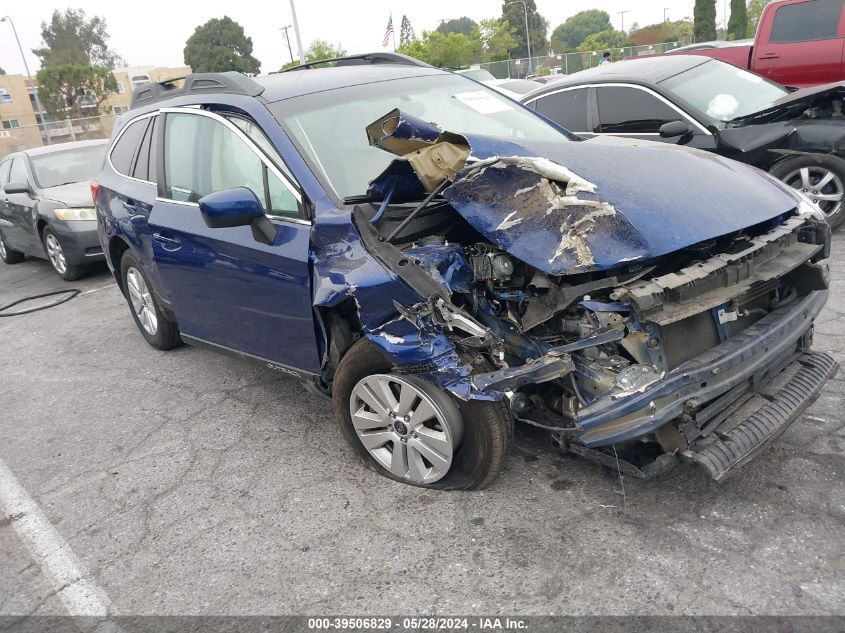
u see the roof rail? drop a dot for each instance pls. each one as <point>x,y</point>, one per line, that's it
<point>196,83</point>
<point>364,58</point>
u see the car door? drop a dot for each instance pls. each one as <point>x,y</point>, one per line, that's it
<point>638,112</point>
<point>227,288</point>
<point>20,212</point>
<point>567,107</point>
<point>5,166</point>
<point>801,43</point>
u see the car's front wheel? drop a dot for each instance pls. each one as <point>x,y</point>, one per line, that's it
<point>409,430</point>
<point>821,178</point>
<point>56,256</point>
<point>154,327</point>
<point>8,255</point>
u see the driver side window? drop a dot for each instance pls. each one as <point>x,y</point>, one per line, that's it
<point>202,156</point>
<point>18,172</point>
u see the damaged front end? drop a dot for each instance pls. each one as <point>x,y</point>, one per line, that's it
<point>610,324</point>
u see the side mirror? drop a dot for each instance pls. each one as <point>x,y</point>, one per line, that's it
<point>16,187</point>
<point>237,206</point>
<point>675,128</point>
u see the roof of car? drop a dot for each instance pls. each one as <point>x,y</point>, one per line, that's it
<point>648,70</point>
<point>61,147</point>
<point>300,82</point>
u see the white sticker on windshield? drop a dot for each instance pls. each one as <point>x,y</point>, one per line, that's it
<point>482,102</point>
<point>755,79</point>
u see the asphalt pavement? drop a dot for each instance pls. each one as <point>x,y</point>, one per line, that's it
<point>185,482</point>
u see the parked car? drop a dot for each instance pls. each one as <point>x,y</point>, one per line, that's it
<point>798,137</point>
<point>442,262</point>
<point>46,209</point>
<point>799,43</point>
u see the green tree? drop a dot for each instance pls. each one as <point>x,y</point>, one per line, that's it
<point>318,51</point>
<point>496,38</point>
<point>538,27</point>
<point>406,31</point>
<point>604,40</point>
<point>754,10</point>
<point>72,38</point>
<point>75,91</point>
<point>738,22</point>
<point>572,33</point>
<point>453,50</point>
<point>220,45</point>
<point>676,31</point>
<point>462,25</point>
<point>704,20</point>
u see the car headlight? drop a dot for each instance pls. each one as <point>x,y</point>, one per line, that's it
<point>77,213</point>
<point>808,207</point>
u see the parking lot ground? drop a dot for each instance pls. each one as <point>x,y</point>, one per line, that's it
<point>190,483</point>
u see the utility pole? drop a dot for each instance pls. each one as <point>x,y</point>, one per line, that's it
<point>32,86</point>
<point>622,13</point>
<point>287,39</point>
<point>527,32</point>
<point>664,14</point>
<point>296,30</point>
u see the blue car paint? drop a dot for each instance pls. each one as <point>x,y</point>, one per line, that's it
<point>230,207</point>
<point>251,286</point>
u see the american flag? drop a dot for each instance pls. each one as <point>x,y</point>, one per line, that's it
<point>389,31</point>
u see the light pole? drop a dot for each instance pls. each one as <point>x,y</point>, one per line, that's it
<point>527,34</point>
<point>664,13</point>
<point>622,13</point>
<point>287,39</point>
<point>28,76</point>
<point>296,30</point>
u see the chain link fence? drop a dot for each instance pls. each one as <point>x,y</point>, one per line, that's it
<point>15,139</point>
<point>568,63</point>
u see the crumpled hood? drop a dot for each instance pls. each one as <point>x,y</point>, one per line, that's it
<point>570,207</point>
<point>73,194</point>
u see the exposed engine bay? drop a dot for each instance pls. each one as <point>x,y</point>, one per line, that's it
<point>586,341</point>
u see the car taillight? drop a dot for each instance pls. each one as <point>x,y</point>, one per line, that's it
<point>95,189</point>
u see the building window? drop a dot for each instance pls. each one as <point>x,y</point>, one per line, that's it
<point>139,80</point>
<point>120,88</point>
<point>10,124</point>
<point>5,97</point>
<point>87,101</point>
<point>119,109</point>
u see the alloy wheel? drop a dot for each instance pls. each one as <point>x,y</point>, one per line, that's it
<point>403,428</point>
<point>56,254</point>
<point>142,301</point>
<point>2,248</point>
<point>821,185</point>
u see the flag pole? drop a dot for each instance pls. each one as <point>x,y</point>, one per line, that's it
<point>393,31</point>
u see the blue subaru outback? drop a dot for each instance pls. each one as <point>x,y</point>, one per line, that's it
<point>443,263</point>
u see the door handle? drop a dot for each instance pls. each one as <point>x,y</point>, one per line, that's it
<point>769,56</point>
<point>167,243</point>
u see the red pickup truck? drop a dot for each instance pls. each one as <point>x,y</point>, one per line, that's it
<point>798,43</point>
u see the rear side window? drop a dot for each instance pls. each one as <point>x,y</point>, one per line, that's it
<point>624,110</point>
<point>201,156</point>
<point>145,161</point>
<point>124,150</point>
<point>18,172</point>
<point>568,108</point>
<point>807,21</point>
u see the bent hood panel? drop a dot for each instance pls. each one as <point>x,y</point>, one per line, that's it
<point>649,200</point>
<point>566,207</point>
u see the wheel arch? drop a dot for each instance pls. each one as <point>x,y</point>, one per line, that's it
<point>117,247</point>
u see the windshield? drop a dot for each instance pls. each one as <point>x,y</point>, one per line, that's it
<point>66,166</point>
<point>330,125</point>
<point>722,91</point>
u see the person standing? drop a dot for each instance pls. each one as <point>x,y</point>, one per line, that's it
<point>605,58</point>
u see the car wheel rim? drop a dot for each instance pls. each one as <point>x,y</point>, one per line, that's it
<point>403,428</point>
<point>2,248</point>
<point>821,185</point>
<point>56,254</point>
<point>142,301</point>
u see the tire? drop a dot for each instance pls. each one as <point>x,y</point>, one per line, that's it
<point>8,255</point>
<point>487,426</point>
<point>54,251</point>
<point>154,327</point>
<point>819,167</point>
